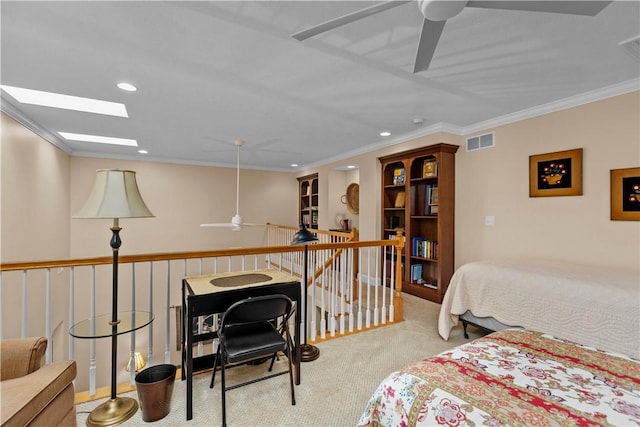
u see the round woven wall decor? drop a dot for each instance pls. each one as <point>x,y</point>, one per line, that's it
<point>353,198</point>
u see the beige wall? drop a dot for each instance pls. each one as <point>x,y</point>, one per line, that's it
<point>331,204</point>
<point>494,182</point>
<point>34,196</point>
<point>34,225</point>
<point>575,228</point>
<point>489,182</point>
<point>182,197</point>
<point>42,187</point>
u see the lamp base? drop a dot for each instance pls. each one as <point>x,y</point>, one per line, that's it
<point>309,353</point>
<point>112,412</point>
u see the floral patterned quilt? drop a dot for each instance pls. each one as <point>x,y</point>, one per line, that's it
<point>511,378</point>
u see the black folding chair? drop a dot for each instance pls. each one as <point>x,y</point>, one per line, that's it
<point>250,329</point>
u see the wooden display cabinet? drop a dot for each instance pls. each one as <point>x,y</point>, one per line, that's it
<point>418,193</point>
<point>308,200</point>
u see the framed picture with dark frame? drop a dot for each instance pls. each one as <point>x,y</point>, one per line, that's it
<point>556,174</point>
<point>625,194</point>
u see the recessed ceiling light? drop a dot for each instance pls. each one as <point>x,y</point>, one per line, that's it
<point>143,152</point>
<point>294,165</point>
<point>99,139</point>
<point>67,102</point>
<point>127,86</point>
<point>385,133</point>
<point>351,166</point>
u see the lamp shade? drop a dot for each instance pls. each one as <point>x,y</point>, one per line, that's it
<point>115,194</point>
<point>303,236</point>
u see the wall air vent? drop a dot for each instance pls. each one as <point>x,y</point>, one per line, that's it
<point>632,46</point>
<point>481,141</point>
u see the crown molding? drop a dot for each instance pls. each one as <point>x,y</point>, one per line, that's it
<point>559,105</point>
<point>146,158</point>
<point>16,114</point>
<point>367,148</point>
<point>551,107</point>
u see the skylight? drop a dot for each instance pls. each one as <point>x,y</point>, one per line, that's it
<point>67,102</point>
<point>99,139</point>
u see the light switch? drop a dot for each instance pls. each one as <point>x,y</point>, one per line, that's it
<point>489,220</point>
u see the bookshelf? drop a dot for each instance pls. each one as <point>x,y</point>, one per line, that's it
<point>308,200</point>
<point>418,193</point>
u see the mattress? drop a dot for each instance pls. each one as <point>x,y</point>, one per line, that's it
<point>591,305</point>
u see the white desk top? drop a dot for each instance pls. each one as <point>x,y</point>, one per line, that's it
<point>211,283</point>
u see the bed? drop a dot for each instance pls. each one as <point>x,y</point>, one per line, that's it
<point>591,305</point>
<point>511,377</point>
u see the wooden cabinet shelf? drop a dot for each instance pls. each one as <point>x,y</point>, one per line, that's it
<point>308,200</point>
<point>418,191</point>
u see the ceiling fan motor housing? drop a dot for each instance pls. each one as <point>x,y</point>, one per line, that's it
<point>440,10</point>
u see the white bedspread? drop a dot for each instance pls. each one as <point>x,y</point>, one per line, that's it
<point>589,305</point>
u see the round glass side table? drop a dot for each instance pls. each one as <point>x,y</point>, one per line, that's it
<point>102,327</point>
<point>116,409</point>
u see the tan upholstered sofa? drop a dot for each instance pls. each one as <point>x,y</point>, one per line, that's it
<point>31,395</point>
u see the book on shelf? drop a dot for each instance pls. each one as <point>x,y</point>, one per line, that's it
<point>398,176</point>
<point>416,245</point>
<point>430,168</point>
<point>431,205</point>
<point>433,197</point>
<point>429,249</point>
<point>430,285</point>
<point>416,273</point>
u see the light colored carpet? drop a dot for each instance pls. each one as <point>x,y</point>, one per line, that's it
<point>334,389</point>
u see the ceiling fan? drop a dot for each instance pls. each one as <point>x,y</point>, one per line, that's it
<point>236,223</point>
<point>436,14</point>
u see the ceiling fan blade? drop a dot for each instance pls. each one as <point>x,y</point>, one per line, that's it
<point>586,8</point>
<point>429,36</point>
<point>345,19</point>
<point>227,224</point>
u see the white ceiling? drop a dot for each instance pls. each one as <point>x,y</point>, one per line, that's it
<point>211,72</point>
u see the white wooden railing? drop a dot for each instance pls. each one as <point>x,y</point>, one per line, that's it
<point>348,284</point>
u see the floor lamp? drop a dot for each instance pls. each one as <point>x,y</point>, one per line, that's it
<point>114,195</point>
<point>308,352</point>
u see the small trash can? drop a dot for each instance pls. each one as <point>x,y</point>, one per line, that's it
<point>155,386</point>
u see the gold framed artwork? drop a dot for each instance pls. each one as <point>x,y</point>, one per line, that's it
<point>625,194</point>
<point>429,168</point>
<point>556,174</point>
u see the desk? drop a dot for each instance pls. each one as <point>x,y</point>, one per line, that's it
<point>215,293</point>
